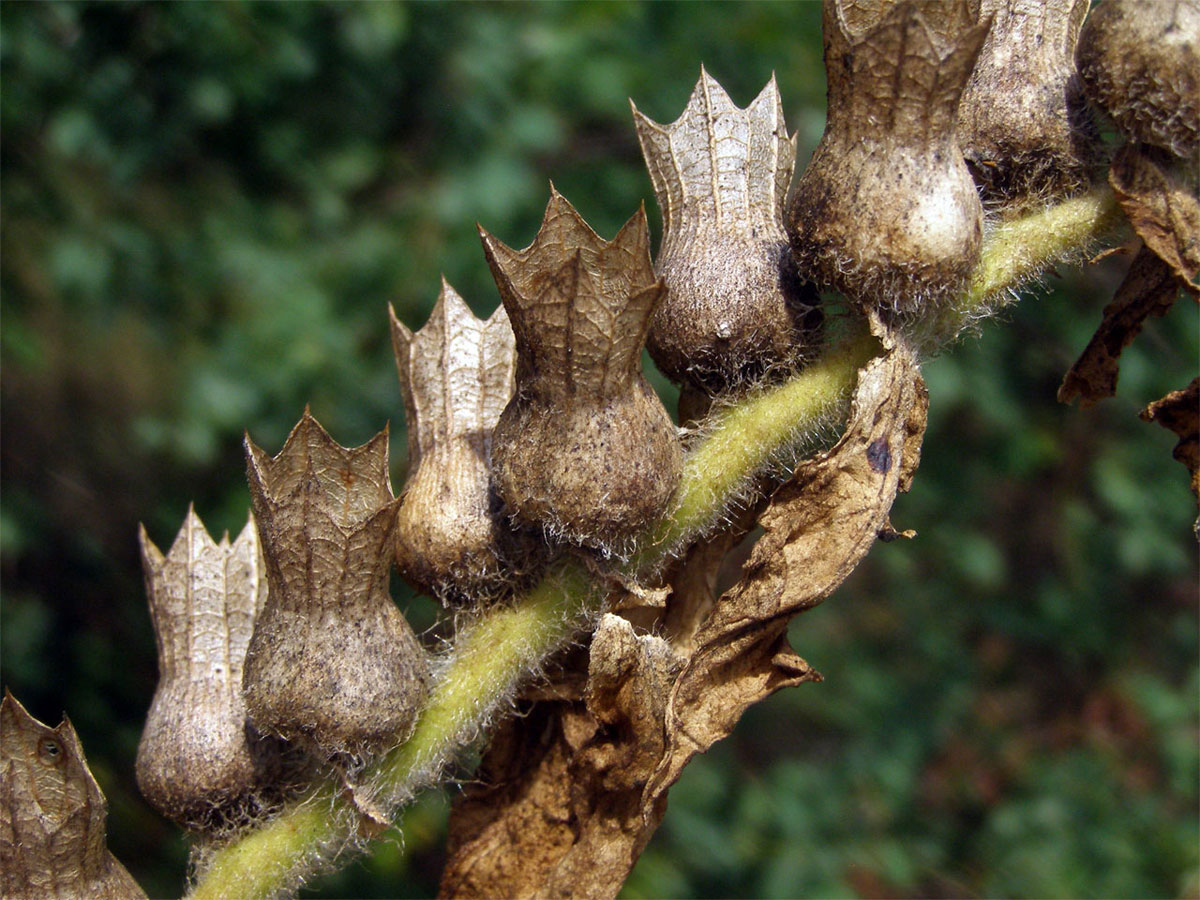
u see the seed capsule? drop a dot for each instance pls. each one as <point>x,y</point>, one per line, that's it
<point>199,761</point>
<point>53,816</point>
<point>887,212</point>
<point>332,660</point>
<point>457,375</point>
<point>584,449</point>
<point>1023,122</point>
<point>734,305</point>
<point>1140,62</point>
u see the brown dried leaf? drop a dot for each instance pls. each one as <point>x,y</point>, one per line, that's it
<point>569,795</point>
<point>734,304</point>
<point>456,374</point>
<point>1179,412</point>
<point>52,816</point>
<point>198,756</point>
<point>1162,208</point>
<point>1149,289</point>
<point>332,660</point>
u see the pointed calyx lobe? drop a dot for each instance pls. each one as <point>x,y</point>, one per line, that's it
<point>52,815</point>
<point>1023,122</point>
<point>886,211</point>
<point>585,449</point>
<point>457,375</point>
<point>332,660</point>
<point>734,305</point>
<point>199,762</point>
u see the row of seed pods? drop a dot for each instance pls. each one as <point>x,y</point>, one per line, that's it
<point>535,431</point>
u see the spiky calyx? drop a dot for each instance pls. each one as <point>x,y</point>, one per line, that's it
<point>886,211</point>
<point>734,305</point>
<point>1140,62</point>
<point>53,815</point>
<point>584,450</point>
<point>456,374</point>
<point>1023,122</point>
<point>332,660</point>
<point>199,760</point>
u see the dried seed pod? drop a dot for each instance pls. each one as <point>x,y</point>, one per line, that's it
<point>1023,122</point>
<point>457,375</point>
<point>332,660</point>
<point>1140,62</point>
<point>734,305</point>
<point>585,448</point>
<point>887,212</point>
<point>200,762</point>
<point>53,816</point>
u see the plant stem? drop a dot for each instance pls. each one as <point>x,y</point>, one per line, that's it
<point>494,654</point>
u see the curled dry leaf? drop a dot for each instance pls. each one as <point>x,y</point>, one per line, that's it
<point>199,761</point>
<point>734,304</point>
<point>1165,214</point>
<point>585,449</point>
<point>886,211</point>
<point>1179,412</point>
<point>52,816</point>
<point>1023,122</point>
<point>569,795</point>
<point>332,660</point>
<point>457,375</point>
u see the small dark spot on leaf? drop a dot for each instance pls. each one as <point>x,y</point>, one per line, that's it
<point>879,456</point>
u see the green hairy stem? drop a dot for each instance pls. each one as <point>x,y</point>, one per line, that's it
<point>493,655</point>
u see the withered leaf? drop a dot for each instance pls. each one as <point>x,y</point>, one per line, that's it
<point>198,757</point>
<point>1179,412</point>
<point>456,374</point>
<point>734,305</point>
<point>1162,208</point>
<point>1149,289</point>
<point>585,450</point>
<point>52,816</point>
<point>569,795</point>
<point>332,660</point>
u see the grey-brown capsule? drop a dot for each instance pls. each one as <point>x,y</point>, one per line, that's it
<point>456,374</point>
<point>1023,123</point>
<point>53,816</point>
<point>199,761</point>
<point>886,211</point>
<point>332,660</point>
<point>1140,62</point>
<point>734,305</point>
<point>585,448</point>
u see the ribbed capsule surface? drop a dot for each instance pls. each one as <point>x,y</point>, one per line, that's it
<point>53,816</point>
<point>886,211</point>
<point>1140,62</point>
<point>457,374</point>
<point>1023,122</point>
<point>332,661</point>
<point>734,305</point>
<point>585,449</point>
<point>199,760</point>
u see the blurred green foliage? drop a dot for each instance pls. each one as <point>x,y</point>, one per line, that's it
<point>206,208</point>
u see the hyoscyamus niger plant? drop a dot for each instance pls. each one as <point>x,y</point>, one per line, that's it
<point>570,529</point>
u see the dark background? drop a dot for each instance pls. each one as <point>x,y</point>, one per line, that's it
<point>206,208</point>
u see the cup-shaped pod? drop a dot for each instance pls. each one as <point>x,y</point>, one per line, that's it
<point>1140,62</point>
<point>456,374</point>
<point>734,305</point>
<point>53,816</point>
<point>584,450</point>
<point>1023,122</point>
<point>886,211</point>
<point>332,662</point>
<point>200,762</point>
